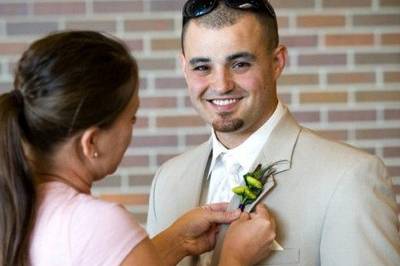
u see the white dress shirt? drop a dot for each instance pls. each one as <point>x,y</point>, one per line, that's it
<point>228,166</point>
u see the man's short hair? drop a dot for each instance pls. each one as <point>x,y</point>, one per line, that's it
<point>223,16</point>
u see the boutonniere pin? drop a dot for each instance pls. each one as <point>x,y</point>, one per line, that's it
<point>254,184</point>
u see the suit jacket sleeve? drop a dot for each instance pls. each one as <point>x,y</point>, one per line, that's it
<point>152,225</point>
<point>360,225</point>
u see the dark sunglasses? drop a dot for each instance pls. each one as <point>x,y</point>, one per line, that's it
<point>198,8</point>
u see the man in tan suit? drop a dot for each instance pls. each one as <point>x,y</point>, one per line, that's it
<point>332,203</point>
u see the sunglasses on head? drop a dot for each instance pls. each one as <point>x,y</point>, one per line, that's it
<point>198,8</point>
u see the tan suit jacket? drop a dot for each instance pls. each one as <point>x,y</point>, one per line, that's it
<point>333,204</point>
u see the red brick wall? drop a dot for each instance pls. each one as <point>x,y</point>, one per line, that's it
<point>343,78</point>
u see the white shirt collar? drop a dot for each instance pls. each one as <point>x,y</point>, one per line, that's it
<point>248,151</point>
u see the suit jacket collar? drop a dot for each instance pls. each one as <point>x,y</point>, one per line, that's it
<point>281,144</point>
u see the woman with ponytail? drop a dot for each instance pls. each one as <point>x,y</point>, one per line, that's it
<point>65,125</point>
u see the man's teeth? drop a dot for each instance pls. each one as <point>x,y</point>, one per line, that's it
<point>224,101</point>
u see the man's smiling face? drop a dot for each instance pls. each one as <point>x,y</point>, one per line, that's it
<point>230,74</point>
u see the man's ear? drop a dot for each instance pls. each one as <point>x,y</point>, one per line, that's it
<point>88,143</point>
<point>182,59</point>
<point>280,57</point>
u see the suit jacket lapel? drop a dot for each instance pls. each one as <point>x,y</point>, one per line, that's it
<point>279,148</point>
<point>194,178</point>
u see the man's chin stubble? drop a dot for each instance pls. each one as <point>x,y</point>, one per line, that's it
<point>227,125</point>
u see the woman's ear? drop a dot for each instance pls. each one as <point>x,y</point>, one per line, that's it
<point>280,57</point>
<point>88,143</point>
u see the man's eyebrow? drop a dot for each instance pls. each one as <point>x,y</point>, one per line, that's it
<point>241,55</point>
<point>196,60</point>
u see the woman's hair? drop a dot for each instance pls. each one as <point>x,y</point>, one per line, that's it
<point>64,83</point>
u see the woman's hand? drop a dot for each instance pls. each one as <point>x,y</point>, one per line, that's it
<point>193,233</point>
<point>248,239</point>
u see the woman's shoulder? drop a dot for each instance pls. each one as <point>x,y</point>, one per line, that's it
<point>84,215</point>
<point>102,232</point>
<point>86,230</point>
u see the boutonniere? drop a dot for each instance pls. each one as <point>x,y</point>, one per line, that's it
<point>254,184</point>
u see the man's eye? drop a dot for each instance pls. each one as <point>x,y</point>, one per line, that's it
<point>240,65</point>
<point>201,68</point>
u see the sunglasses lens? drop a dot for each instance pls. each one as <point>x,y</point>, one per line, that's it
<point>252,5</point>
<point>197,8</point>
<point>243,4</point>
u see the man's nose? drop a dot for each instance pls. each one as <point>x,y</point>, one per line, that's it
<point>222,81</point>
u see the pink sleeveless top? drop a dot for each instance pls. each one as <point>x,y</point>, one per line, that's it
<point>73,228</point>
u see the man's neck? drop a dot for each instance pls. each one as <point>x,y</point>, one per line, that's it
<point>233,139</point>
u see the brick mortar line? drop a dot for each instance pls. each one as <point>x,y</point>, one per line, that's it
<point>152,158</point>
<point>2,28</point>
<point>138,170</point>
<point>375,5</point>
<point>119,25</point>
<point>152,123</point>
<point>380,78</point>
<point>380,114</point>
<point>181,100</point>
<point>89,7</point>
<point>360,125</point>
<point>318,5</point>
<point>124,182</point>
<point>181,140</point>
<point>62,24</point>
<point>324,116</point>
<point>353,108</point>
<point>344,107</point>
<point>293,56</point>
<point>4,73</point>
<point>146,5</point>
<point>151,81</point>
<point>378,150</point>
<point>323,79</point>
<point>147,48</point>
<point>344,49</point>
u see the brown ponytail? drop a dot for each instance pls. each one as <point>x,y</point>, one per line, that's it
<point>17,193</point>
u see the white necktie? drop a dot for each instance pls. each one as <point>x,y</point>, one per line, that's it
<point>233,168</point>
<point>225,176</point>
